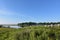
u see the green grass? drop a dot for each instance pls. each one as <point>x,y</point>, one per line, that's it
<point>30,33</point>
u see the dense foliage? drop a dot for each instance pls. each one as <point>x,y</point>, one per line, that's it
<point>1,26</point>
<point>30,33</point>
<point>27,24</point>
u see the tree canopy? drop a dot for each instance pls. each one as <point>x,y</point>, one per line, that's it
<point>24,24</point>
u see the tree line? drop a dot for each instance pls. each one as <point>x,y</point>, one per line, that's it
<point>26,24</point>
<point>34,23</point>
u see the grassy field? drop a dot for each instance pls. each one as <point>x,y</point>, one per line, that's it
<point>30,33</point>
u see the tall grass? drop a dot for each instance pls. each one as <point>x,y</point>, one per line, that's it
<point>30,33</point>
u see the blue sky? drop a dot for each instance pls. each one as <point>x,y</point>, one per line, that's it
<point>15,11</point>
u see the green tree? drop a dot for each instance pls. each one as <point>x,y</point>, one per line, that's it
<point>1,26</point>
<point>26,24</point>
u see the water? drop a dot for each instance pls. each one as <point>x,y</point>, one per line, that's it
<point>15,27</point>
